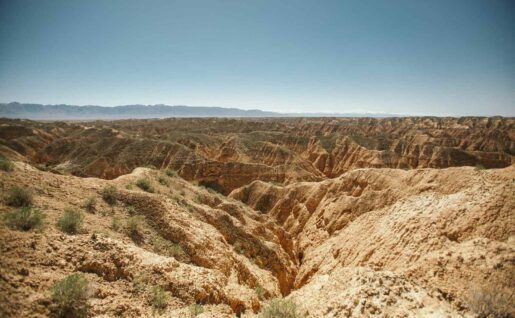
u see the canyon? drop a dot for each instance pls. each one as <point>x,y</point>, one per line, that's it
<point>344,217</point>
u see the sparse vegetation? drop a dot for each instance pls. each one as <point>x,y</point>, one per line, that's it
<point>24,219</point>
<point>196,309</point>
<point>6,164</point>
<point>238,247</point>
<point>479,167</point>
<point>280,308</point>
<point>133,227</point>
<point>131,210</point>
<point>139,284</point>
<point>90,204</point>
<point>128,186</point>
<point>145,185</point>
<point>109,194</point>
<point>159,298</point>
<point>71,221</point>
<point>171,173</point>
<point>165,247</point>
<point>19,196</point>
<point>260,292</point>
<point>491,301</point>
<point>115,224</point>
<point>69,297</point>
<point>163,180</point>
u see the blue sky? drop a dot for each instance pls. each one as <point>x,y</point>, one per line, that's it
<point>438,57</point>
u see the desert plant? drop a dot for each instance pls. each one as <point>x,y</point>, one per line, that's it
<point>133,227</point>
<point>165,247</point>
<point>19,196</point>
<point>90,204</point>
<point>131,210</point>
<point>144,184</point>
<point>6,164</point>
<point>71,221</point>
<point>109,194</point>
<point>171,173</point>
<point>280,308</point>
<point>260,292</point>
<point>128,186</point>
<point>25,218</point>
<point>70,297</point>
<point>479,167</point>
<point>115,224</point>
<point>158,298</point>
<point>163,180</point>
<point>491,301</point>
<point>196,309</point>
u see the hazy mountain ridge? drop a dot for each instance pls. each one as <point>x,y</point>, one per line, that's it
<point>39,111</point>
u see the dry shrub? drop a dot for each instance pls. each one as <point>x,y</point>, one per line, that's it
<point>159,298</point>
<point>69,297</point>
<point>109,194</point>
<point>491,301</point>
<point>90,204</point>
<point>145,185</point>
<point>24,219</point>
<point>6,164</point>
<point>280,308</point>
<point>19,196</point>
<point>71,221</point>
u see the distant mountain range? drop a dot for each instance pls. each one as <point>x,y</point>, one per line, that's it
<point>70,112</point>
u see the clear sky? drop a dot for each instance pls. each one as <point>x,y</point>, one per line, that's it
<point>437,57</point>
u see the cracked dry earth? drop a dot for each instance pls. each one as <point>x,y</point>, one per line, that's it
<point>360,242</point>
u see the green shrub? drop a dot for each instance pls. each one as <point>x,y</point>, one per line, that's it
<point>128,186</point>
<point>25,218</point>
<point>109,194</point>
<point>158,298</point>
<point>260,292</point>
<point>90,204</point>
<point>163,180</point>
<point>139,284</point>
<point>133,227</point>
<point>70,297</point>
<point>280,308</point>
<point>479,167</point>
<point>144,184</point>
<point>71,221</point>
<point>115,224</point>
<point>18,196</point>
<point>165,247</point>
<point>171,173</point>
<point>196,309</point>
<point>6,164</point>
<point>131,210</point>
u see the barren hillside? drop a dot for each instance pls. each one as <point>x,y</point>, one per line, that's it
<point>395,217</point>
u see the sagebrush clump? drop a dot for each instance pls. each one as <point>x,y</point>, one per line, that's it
<point>70,297</point>
<point>171,173</point>
<point>24,219</point>
<point>19,196</point>
<point>260,292</point>
<point>196,309</point>
<point>163,180</point>
<point>71,221</point>
<point>90,204</point>
<point>280,308</point>
<point>109,194</point>
<point>158,298</point>
<point>145,185</point>
<point>133,227</point>
<point>491,300</point>
<point>6,164</point>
